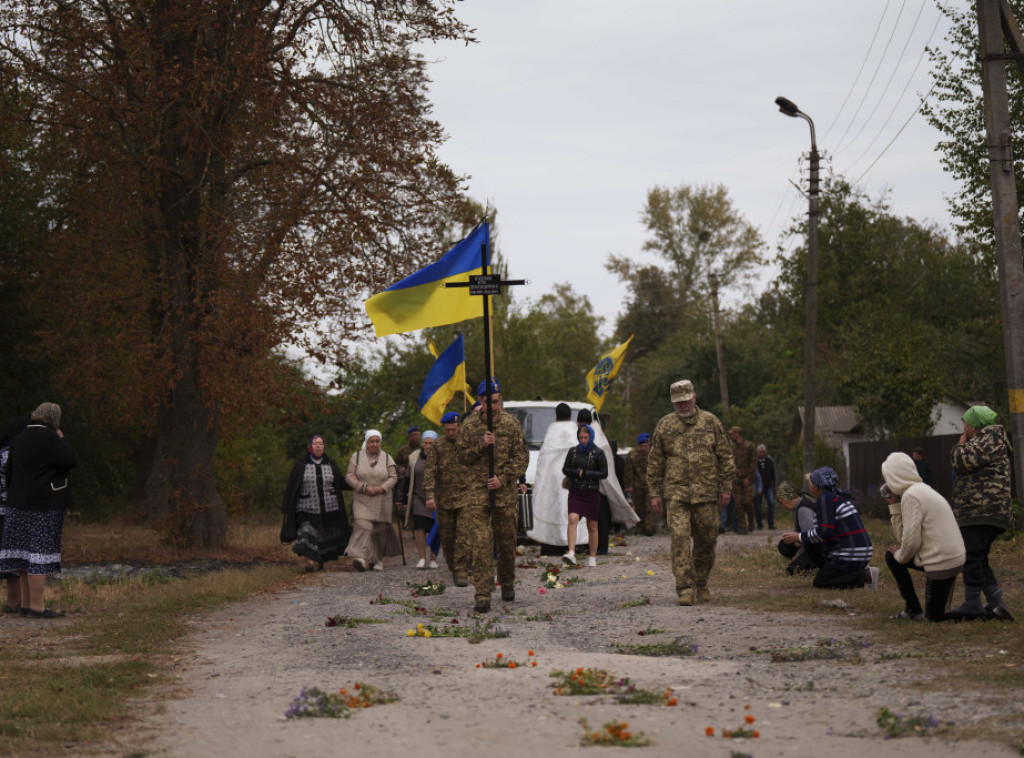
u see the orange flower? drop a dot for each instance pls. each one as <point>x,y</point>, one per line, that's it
<point>727,733</point>
<point>673,701</point>
<point>533,663</point>
<point>756,734</point>
<point>709,731</point>
<point>746,707</point>
<point>749,719</point>
<point>478,665</point>
<point>624,725</point>
<point>357,685</point>
<point>512,665</point>
<point>498,655</point>
<point>529,652</point>
<point>625,735</point>
<point>579,670</point>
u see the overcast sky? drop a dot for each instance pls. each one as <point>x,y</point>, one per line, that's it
<point>566,112</point>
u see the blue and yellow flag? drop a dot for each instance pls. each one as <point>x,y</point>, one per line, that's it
<point>466,389</point>
<point>446,377</point>
<point>421,300</point>
<point>599,379</point>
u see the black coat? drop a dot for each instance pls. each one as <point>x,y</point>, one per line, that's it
<point>594,464</point>
<point>338,519</point>
<point>38,468</point>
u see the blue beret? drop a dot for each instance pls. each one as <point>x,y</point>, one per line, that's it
<point>413,429</point>
<point>495,387</point>
<point>451,417</point>
<point>645,437</point>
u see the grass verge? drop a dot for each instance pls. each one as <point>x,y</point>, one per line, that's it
<point>66,684</point>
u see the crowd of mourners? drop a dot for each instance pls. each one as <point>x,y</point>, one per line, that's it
<point>459,493</point>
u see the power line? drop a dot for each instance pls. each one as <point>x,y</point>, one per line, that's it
<point>881,60</point>
<point>902,95</point>
<point>892,76</point>
<point>856,79</point>
<point>896,136</point>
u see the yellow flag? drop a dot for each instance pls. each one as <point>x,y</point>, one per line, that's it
<point>466,389</point>
<point>599,379</point>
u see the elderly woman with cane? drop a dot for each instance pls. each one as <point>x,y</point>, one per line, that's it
<point>372,475</point>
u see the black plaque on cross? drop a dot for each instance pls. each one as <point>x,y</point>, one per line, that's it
<point>486,285</point>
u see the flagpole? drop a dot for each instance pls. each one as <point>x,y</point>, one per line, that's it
<point>488,363</point>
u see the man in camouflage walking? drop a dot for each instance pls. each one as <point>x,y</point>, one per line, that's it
<point>744,455</point>
<point>492,529</point>
<point>690,473</point>
<point>635,481</point>
<point>445,481</point>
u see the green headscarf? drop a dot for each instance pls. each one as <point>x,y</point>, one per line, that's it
<point>980,416</point>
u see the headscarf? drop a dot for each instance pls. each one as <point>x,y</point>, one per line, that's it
<point>641,439</point>
<point>825,478</point>
<point>590,443</point>
<point>48,414</point>
<point>430,434</point>
<point>372,433</point>
<point>309,446</point>
<point>980,416</point>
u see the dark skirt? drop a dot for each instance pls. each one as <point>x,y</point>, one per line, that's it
<point>4,574</point>
<point>319,539</point>
<point>31,542</point>
<point>587,503</point>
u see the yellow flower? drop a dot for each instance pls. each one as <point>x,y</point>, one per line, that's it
<point>426,632</point>
<point>411,633</point>
<point>650,573</point>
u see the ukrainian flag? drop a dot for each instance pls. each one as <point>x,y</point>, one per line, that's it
<point>421,300</point>
<point>599,379</point>
<point>446,377</point>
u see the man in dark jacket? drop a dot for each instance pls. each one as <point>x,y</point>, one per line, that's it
<point>981,504</point>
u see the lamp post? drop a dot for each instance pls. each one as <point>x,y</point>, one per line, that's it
<point>810,288</point>
<point>723,385</point>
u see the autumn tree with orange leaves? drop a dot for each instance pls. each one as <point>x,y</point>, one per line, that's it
<point>222,178</point>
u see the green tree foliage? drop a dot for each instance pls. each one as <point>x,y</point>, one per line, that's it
<point>905,315</point>
<point>226,178</point>
<point>957,111</point>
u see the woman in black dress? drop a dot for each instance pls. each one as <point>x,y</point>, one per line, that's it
<point>314,508</point>
<point>585,466</point>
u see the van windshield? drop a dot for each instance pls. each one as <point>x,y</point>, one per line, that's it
<point>535,422</point>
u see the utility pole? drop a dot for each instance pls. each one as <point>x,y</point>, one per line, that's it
<point>723,385</point>
<point>995,18</point>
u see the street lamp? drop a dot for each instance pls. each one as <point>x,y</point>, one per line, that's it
<point>810,288</point>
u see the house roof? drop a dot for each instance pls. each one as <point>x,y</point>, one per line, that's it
<point>830,423</point>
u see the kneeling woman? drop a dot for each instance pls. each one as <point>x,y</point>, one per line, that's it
<point>585,466</point>
<point>372,475</point>
<point>314,509</point>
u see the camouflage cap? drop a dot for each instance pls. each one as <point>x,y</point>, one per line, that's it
<point>787,491</point>
<point>682,391</point>
<point>735,429</point>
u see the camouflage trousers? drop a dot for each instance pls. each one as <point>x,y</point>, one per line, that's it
<point>491,532</point>
<point>743,500</point>
<point>697,522</point>
<point>452,524</point>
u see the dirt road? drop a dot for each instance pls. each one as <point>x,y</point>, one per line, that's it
<point>251,660</point>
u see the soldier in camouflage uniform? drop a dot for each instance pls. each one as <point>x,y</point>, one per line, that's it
<point>981,504</point>
<point>635,481</point>
<point>744,455</point>
<point>691,470</point>
<point>445,480</point>
<point>492,529</point>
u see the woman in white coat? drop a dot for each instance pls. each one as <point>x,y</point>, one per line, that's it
<point>929,540</point>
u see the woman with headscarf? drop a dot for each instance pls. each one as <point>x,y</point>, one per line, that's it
<point>418,513</point>
<point>314,507</point>
<point>584,468</point>
<point>372,475</point>
<point>38,496</point>
<point>929,540</point>
<point>845,544</point>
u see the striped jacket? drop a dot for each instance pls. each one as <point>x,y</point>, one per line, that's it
<point>845,543</point>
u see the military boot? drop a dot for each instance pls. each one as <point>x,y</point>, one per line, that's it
<point>685,597</point>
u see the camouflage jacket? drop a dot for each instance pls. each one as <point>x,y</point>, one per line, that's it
<point>402,456</point>
<point>981,492</point>
<point>691,459</point>
<point>636,472</point>
<point>511,457</point>
<point>445,478</point>
<point>744,454</point>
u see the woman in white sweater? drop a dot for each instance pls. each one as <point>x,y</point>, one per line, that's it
<point>929,540</point>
